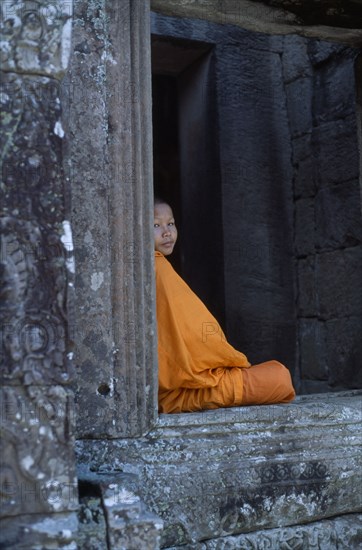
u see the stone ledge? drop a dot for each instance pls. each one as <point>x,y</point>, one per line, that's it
<point>35,531</point>
<point>312,408</point>
<point>232,471</point>
<point>343,533</point>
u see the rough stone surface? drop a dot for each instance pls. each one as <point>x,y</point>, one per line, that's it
<point>321,51</point>
<point>338,217</point>
<point>38,489</point>
<point>338,158</point>
<point>36,36</point>
<point>92,532</point>
<point>305,227</point>
<point>327,215</point>
<point>338,282</point>
<point>252,468</point>
<point>338,98</point>
<point>300,115</point>
<point>86,163</point>
<point>330,20</point>
<point>108,106</point>
<point>36,532</point>
<point>344,352</point>
<point>37,250</point>
<point>33,332</point>
<point>296,63</point>
<point>129,525</point>
<point>307,299</point>
<point>344,533</point>
<point>330,353</point>
<point>38,473</point>
<point>112,514</point>
<point>330,323</point>
<point>305,167</point>
<point>313,360</point>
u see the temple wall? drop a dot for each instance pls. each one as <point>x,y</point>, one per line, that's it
<point>252,477</point>
<point>321,101</point>
<point>39,496</point>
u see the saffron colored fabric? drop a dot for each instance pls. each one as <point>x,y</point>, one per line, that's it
<point>198,368</point>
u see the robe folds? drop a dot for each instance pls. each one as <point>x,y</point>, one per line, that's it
<point>198,368</point>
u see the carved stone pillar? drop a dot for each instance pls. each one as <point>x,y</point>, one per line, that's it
<point>38,483</point>
<point>108,96</point>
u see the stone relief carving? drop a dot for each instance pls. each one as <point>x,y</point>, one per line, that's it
<point>344,533</point>
<point>33,258</point>
<point>35,36</point>
<point>31,145</point>
<point>37,477</point>
<point>33,328</point>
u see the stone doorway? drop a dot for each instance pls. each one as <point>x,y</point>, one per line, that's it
<point>186,160</point>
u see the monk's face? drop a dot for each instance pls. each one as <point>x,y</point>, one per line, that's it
<point>164,229</point>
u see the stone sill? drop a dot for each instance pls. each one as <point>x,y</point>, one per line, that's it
<point>304,410</point>
<point>230,471</point>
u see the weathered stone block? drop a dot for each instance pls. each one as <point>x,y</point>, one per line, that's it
<point>329,284</point>
<point>312,346</point>
<point>296,63</point>
<point>307,292</point>
<point>37,246</point>
<point>129,525</point>
<point>304,227</point>
<point>302,147</point>
<point>35,531</point>
<point>278,337</point>
<point>342,533</point>
<point>305,172</point>
<point>92,532</point>
<point>339,284</point>
<point>334,94</point>
<point>309,387</point>
<point>83,95</point>
<point>37,458</point>
<point>338,158</point>
<point>251,468</point>
<point>110,165</point>
<point>299,101</point>
<point>338,216</point>
<point>35,36</point>
<point>344,352</point>
<point>320,51</point>
<point>111,510</point>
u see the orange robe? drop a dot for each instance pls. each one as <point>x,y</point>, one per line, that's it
<point>198,368</point>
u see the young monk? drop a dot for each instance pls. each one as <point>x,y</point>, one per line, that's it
<point>198,368</point>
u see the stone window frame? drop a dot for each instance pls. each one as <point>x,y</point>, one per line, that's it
<point>135,408</point>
